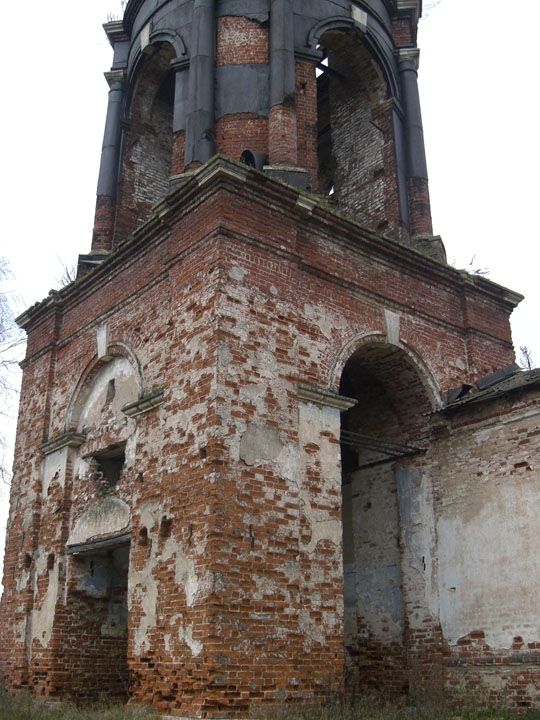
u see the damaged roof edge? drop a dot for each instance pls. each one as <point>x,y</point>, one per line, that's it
<point>518,380</point>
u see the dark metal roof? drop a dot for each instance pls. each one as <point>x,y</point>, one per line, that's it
<point>518,380</point>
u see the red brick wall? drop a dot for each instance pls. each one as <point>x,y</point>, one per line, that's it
<point>241,41</point>
<point>235,298</point>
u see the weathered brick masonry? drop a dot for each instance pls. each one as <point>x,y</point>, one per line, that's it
<point>266,454</point>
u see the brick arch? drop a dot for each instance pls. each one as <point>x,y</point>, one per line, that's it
<point>410,355</point>
<point>148,142</point>
<point>157,38</point>
<point>84,384</point>
<point>371,40</point>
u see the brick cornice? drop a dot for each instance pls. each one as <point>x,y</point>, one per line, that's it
<point>313,212</point>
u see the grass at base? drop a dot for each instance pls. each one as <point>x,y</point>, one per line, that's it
<point>25,707</point>
<point>366,708</point>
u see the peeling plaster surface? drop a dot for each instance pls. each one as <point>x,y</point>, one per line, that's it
<point>319,428</point>
<point>417,518</point>
<point>95,402</point>
<point>372,558</point>
<point>109,516</point>
<point>260,444</point>
<point>53,469</point>
<point>44,614</point>
<point>483,551</point>
<point>143,584</point>
<point>327,321</point>
<point>322,527</point>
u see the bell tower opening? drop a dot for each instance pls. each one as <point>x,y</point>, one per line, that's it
<point>147,150</point>
<point>355,146</point>
<point>382,437</point>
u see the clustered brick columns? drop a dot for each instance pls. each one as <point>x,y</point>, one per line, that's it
<point>417,176</point>
<point>108,169</point>
<point>247,82</point>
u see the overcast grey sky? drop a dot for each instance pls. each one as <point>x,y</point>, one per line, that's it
<point>480,106</point>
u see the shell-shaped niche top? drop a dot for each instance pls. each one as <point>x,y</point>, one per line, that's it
<point>108,517</point>
<point>113,385</point>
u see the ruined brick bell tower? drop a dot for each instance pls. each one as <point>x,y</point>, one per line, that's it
<point>235,437</point>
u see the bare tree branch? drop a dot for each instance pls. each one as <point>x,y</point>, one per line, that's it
<point>11,340</point>
<point>525,358</point>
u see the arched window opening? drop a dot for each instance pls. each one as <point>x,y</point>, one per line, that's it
<point>326,160</point>
<point>148,141</point>
<point>354,128</point>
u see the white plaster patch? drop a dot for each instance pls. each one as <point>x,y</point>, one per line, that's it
<point>143,587</point>
<point>145,36</point>
<point>360,17</point>
<point>417,519</point>
<point>291,570</point>
<point>317,425</point>
<point>392,322</point>
<point>130,452</point>
<point>223,354</point>
<point>312,630</point>
<point>264,587</point>
<point>266,363</point>
<point>43,616</point>
<point>287,462</point>
<point>19,630</point>
<point>186,635</point>
<point>167,642</point>
<point>53,469</point>
<point>94,400</point>
<point>323,527</point>
<point>22,580</point>
<point>326,321</point>
<point>260,444</point>
<point>102,340</point>
<point>237,273</point>
<point>184,570</point>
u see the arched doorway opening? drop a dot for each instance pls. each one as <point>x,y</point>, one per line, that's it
<point>384,439</point>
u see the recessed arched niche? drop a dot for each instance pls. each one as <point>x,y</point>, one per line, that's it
<point>108,387</point>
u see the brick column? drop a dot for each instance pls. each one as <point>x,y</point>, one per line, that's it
<point>200,121</point>
<point>180,68</point>
<point>108,170</point>
<point>420,208</point>
<point>282,130</point>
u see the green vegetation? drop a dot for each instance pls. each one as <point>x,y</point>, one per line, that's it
<point>370,709</point>
<point>24,707</point>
